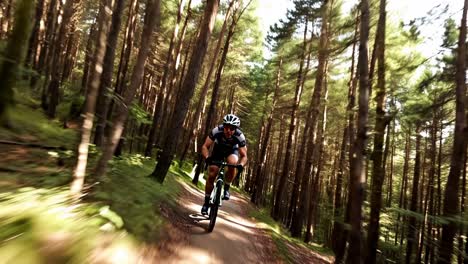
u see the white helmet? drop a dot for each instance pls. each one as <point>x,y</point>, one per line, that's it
<point>231,119</point>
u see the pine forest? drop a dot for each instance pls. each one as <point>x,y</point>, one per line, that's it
<point>356,122</point>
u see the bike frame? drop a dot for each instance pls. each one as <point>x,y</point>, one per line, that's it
<point>215,198</point>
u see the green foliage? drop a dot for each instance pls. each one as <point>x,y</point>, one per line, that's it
<point>34,124</point>
<point>450,35</point>
<point>281,236</point>
<point>133,194</point>
<point>42,225</point>
<point>139,114</point>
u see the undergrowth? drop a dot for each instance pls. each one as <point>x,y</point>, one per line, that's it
<point>40,223</point>
<point>281,236</point>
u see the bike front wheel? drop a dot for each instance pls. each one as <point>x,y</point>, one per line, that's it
<point>215,206</point>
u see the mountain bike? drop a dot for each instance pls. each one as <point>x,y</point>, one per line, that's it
<point>215,197</point>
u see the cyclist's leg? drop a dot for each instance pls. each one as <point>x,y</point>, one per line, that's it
<point>231,173</point>
<point>216,155</point>
<point>232,159</point>
<point>212,172</point>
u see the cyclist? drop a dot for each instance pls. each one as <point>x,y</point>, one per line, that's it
<point>229,143</point>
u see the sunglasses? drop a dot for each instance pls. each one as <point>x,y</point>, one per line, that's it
<point>232,128</point>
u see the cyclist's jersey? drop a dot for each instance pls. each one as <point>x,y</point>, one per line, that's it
<point>227,144</point>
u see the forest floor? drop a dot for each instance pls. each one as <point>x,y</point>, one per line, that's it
<point>236,238</point>
<point>124,218</point>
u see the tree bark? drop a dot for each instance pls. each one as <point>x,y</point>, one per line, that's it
<point>69,9</point>
<point>451,200</point>
<point>14,53</point>
<point>381,121</point>
<point>279,162</point>
<point>35,35</point>
<point>412,241</point>
<point>71,53</point>
<point>357,168</point>
<point>291,138</point>
<point>163,90</point>
<point>152,20</point>
<point>46,49</point>
<point>430,187</point>
<point>310,193</point>
<point>90,103</point>
<point>315,104</point>
<point>187,91</point>
<point>403,189</point>
<point>204,91</point>
<point>259,179</point>
<point>102,106</point>
<point>340,234</point>
<point>89,50</point>
<point>125,53</point>
<point>302,146</point>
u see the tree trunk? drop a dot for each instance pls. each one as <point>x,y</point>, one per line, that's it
<point>381,121</point>
<point>45,49</point>
<point>89,50</point>
<point>158,113</point>
<point>430,187</point>
<point>310,193</point>
<point>302,146</point>
<point>187,90</point>
<point>175,65</point>
<point>291,138</point>
<point>90,103</point>
<point>71,52</point>
<point>357,168</point>
<point>403,189</point>
<point>279,162</point>
<point>107,72</point>
<point>256,195</point>
<point>69,9</point>
<point>451,200</point>
<point>298,218</point>
<point>211,116</point>
<point>14,53</point>
<point>340,234</point>
<point>35,35</point>
<point>125,53</point>
<point>204,91</point>
<point>164,92</point>
<point>389,149</point>
<point>152,20</point>
<point>412,241</point>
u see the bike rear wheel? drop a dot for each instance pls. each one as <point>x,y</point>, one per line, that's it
<point>214,207</point>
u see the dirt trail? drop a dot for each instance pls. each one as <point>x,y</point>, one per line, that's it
<point>236,237</point>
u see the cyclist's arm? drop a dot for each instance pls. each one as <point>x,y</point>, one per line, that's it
<point>243,156</point>
<point>206,146</point>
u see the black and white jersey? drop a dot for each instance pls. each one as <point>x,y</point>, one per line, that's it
<point>235,142</point>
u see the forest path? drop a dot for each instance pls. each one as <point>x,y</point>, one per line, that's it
<point>236,238</point>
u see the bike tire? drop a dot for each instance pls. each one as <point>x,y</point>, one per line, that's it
<point>214,207</point>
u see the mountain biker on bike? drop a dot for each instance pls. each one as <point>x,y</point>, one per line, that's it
<point>229,143</point>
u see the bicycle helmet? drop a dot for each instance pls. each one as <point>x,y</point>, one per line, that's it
<point>231,119</point>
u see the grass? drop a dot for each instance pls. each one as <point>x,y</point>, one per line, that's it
<point>135,196</point>
<point>39,223</point>
<point>281,236</point>
<point>30,125</point>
